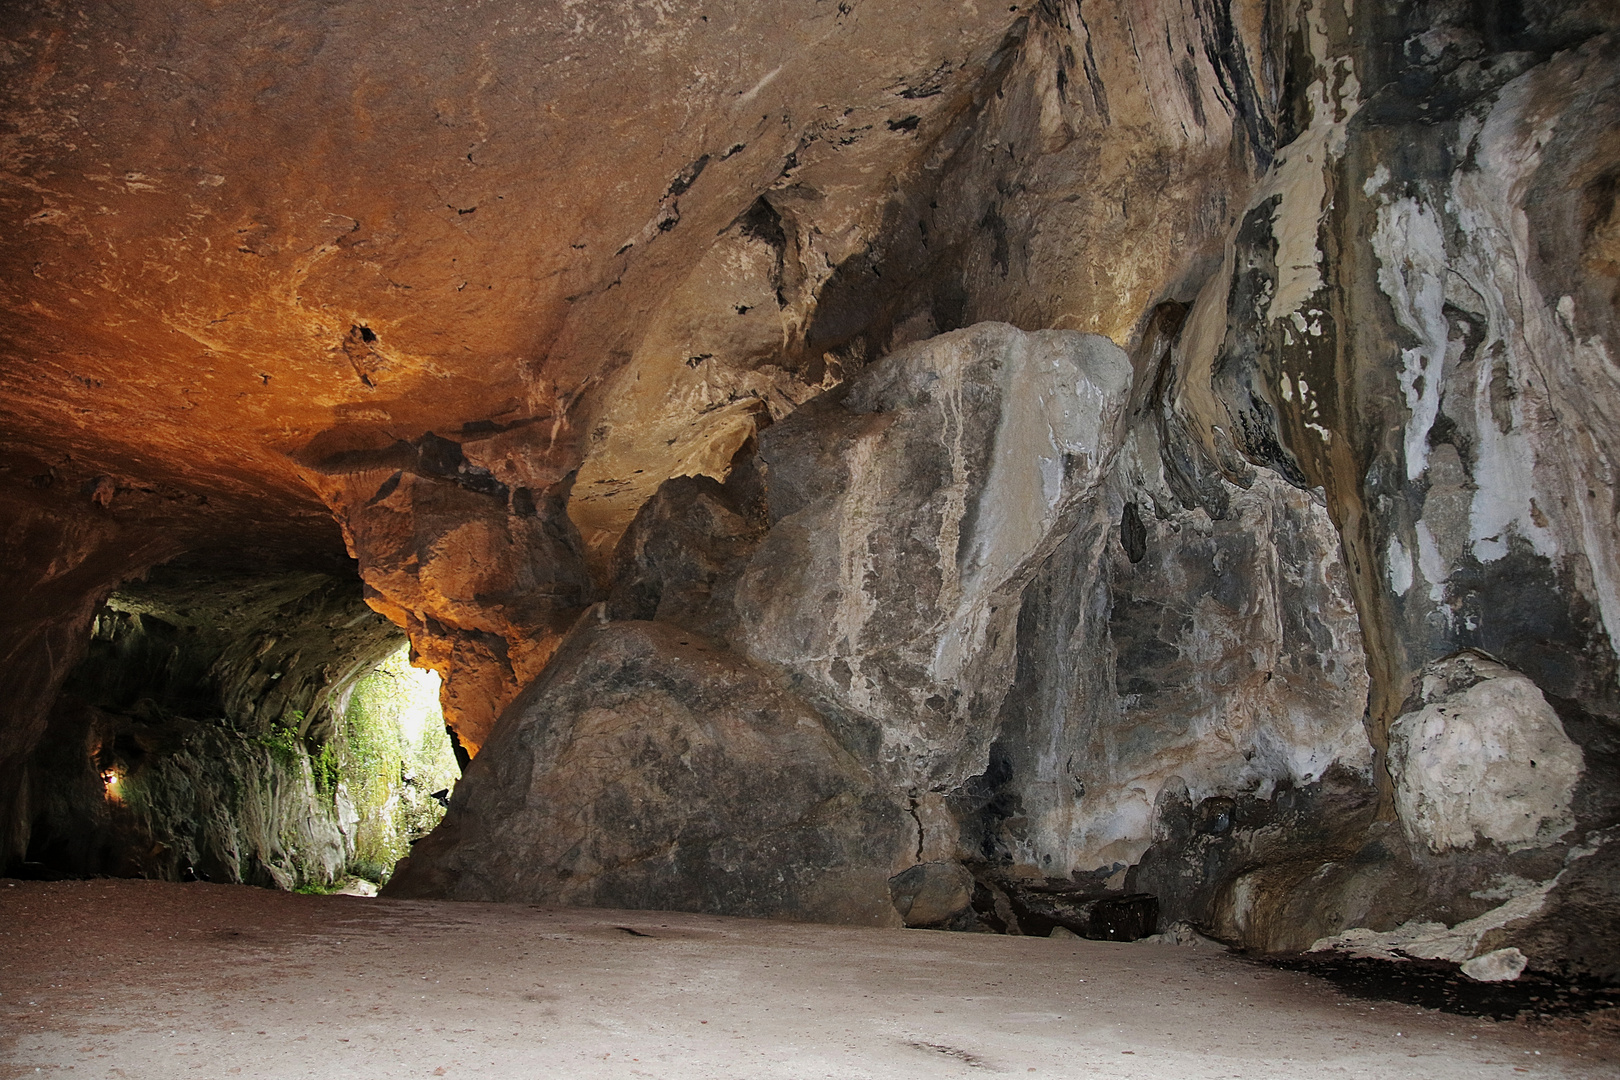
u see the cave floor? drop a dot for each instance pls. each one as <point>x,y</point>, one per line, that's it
<point>115,978</point>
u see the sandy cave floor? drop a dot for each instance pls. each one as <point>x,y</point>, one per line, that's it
<point>113,978</point>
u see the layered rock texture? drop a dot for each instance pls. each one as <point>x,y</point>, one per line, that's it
<point>878,462</point>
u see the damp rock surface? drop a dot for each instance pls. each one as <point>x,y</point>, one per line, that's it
<point>1450,988</point>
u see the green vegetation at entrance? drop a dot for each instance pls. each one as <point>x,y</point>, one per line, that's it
<point>388,756</point>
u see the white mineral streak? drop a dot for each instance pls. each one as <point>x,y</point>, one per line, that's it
<point>1400,567</point>
<point>863,513</point>
<point>1298,180</point>
<point>754,90</point>
<point>1061,403</point>
<point>1300,174</point>
<point>1542,469</point>
<point>1488,762</point>
<point>1486,204</point>
<point>1553,363</point>
<point>1432,564</point>
<point>1412,251</point>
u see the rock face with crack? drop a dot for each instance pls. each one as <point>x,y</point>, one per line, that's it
<point>893,465</point>
<point>891,576</point>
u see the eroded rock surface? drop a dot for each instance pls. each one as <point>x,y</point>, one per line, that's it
<point>483,573</point>
<point>907,517</point>
<point>648,768</point>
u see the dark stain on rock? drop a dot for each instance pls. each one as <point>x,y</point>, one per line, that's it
<point>762,222</point>
<point>1438,984</point>
<point>1133,533</point>
<point>443,458</point>
<point>996,226</point>
<point>687,177</point>
<point>387,487</point>
<point>1242,372</point>
<point>1522,611</point>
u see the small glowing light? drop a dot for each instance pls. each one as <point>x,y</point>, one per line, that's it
<point>109,780</point>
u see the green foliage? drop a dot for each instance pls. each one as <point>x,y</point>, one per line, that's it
<point>327,770</point>
<point>391,753</point>
<point>283,742</point>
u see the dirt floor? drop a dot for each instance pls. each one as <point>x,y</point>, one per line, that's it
<point>146,979</point>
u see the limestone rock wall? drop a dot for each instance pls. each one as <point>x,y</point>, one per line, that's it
<point>1464,517</point>
<point>1226,659</point>
<point>62,561</point>
<point>902,517</point>
<point>71,534</point>
<point>188,799</point>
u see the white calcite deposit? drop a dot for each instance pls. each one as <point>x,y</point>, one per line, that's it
<point>1484,759</point>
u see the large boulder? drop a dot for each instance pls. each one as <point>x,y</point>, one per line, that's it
<point>934,896</point>
<point>1482,757</point>
<point>650,769</point>
<point>908,514</point>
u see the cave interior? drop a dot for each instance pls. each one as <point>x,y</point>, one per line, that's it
<point>1030,468</point>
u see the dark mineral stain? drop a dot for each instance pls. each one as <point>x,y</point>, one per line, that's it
<point>1437,984</point>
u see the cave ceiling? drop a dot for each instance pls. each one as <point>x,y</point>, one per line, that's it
<point>240,237</point>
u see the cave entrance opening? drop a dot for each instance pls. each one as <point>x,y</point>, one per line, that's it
<point>390,765</point>
<point>237,726</point>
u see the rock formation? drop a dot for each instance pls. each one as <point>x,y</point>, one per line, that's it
<point>178,744</point>
<point>877,461</point>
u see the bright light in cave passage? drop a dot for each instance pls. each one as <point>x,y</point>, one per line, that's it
<point>393,762</point>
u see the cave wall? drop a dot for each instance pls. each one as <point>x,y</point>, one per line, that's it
<point>74,531</point>
<point>1440,442</point>
<point>1270,810</point>
<point>62,560</point>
